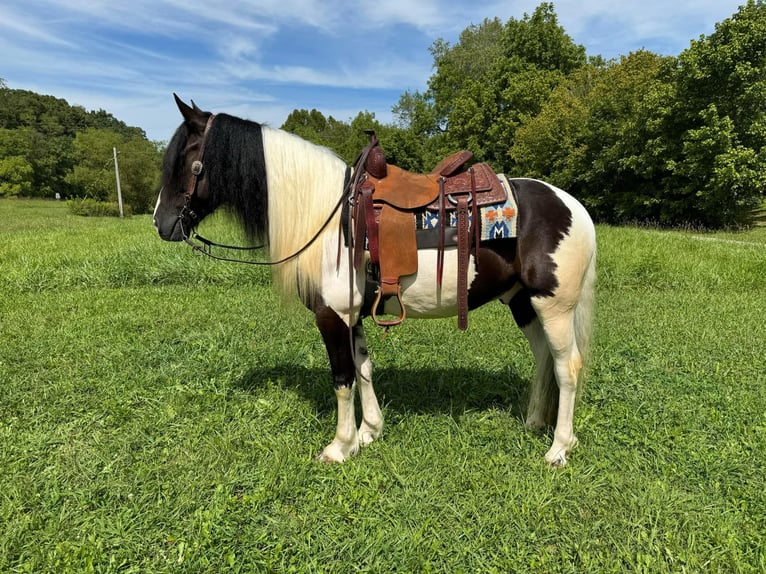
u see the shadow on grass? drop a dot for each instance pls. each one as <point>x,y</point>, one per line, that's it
<point>448,390</point>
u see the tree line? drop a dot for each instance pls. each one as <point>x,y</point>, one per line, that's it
<point>49,147</point>
<point>669,140</point>
<point>647,138</point>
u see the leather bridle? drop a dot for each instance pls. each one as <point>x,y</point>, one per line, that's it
<point>191,188</point>
<point>186,211</point>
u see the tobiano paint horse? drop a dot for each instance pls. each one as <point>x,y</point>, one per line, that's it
<point>287,192</point>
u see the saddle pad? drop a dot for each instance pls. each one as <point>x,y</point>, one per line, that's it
<point>497,221</point>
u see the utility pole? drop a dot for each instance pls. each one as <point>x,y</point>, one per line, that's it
<point>117,175</point>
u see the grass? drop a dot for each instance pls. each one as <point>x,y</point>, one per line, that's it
<point>161,413</point>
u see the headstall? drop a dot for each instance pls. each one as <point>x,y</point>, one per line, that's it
<point>207,245</point>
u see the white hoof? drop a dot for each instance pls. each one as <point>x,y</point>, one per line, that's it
<point>368,434</point>
<point>336,451</point>
<point>557,455</point>
<point>556,458</point>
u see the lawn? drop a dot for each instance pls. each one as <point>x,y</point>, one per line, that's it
<point>160,412</point>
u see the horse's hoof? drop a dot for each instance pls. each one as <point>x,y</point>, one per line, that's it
<point>557,455</point>
<point>367,435</point>
<point>335,452</point>
<point>328,458</point>
<point>556,460</point>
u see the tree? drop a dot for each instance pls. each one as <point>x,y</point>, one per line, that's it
<point>718,120</point>
<point>495,78</point>
<point>345,139</point>
<point>93,175</point>
<point>671,140</point>
<point>15,176</point>
<point>42,129</point>
<point>315,127</point>
<point>584,137</point>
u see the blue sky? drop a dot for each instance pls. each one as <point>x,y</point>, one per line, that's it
<point>261,59</point>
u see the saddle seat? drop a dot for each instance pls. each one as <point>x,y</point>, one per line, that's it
<point>386,201</point>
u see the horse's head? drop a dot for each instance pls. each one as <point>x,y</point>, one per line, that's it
<point>185,196</point>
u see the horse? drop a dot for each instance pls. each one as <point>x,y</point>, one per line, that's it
<point>288,192</point>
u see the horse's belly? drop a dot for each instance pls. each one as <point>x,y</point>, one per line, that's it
<point>421,293</point>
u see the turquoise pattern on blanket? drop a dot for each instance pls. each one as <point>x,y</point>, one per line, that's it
<point>497,221</point>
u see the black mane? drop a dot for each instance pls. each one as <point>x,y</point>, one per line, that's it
<point>235,169</point>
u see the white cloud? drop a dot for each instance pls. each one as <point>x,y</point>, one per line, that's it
<point>268,57</point>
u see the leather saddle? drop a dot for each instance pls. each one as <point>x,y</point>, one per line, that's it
<point>387,199</point>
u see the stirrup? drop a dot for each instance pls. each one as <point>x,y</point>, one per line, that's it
<point>388,322</point>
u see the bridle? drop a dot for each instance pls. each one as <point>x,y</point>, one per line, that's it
<point>191,188</point>
<point>206,245</point>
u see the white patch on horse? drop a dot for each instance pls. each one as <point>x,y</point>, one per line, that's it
<point>346,441</point>
<point>372,418</point>
<point>421,293</point>
<point>336,288</point>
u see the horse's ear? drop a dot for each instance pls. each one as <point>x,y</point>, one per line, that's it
<point>192,115</point>
<point>185,110</point>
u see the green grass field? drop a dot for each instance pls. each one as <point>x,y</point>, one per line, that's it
<point>160,412</point>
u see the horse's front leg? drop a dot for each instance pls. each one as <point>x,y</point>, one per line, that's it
<point>350,370</point>
<point>337,340</point>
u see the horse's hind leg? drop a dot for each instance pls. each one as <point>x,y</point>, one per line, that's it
<point>372,418</point>
<point>543,394</point>
<point>557,321</point>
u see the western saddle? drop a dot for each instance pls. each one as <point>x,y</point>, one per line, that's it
<point>386,202</point>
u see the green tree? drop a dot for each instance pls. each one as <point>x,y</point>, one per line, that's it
<point>716,123</point>
<point>587,135</point>
<point>494,79</point>
<point>15,176</point>
<point>315,127</point>
<point>345,139</point>
<point>43,130</point>
<point>671,140</point>
<point>94,175</point>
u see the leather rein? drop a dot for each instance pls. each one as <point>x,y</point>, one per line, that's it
<point>207,245</point>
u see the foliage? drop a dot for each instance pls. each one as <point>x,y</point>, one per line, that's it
<point>588,135</point>
<point>161,413</point>
<point>88,207</point>
<point>345,139</point>
<point>715,123</point>
<point>44,150</point>
<point>348,139</point>
<point>94,175</point>
<point>672,140</point>
<point>487,84</point>
<point>15,176</point>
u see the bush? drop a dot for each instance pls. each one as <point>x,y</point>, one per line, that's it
<point>88,207</point>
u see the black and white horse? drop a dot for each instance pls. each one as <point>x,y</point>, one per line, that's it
<point>287,191</point>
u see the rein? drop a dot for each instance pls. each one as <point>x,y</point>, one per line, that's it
<point>205,249</point>
<point>207,245</point>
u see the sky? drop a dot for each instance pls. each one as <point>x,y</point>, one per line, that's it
<point>262,59</point>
